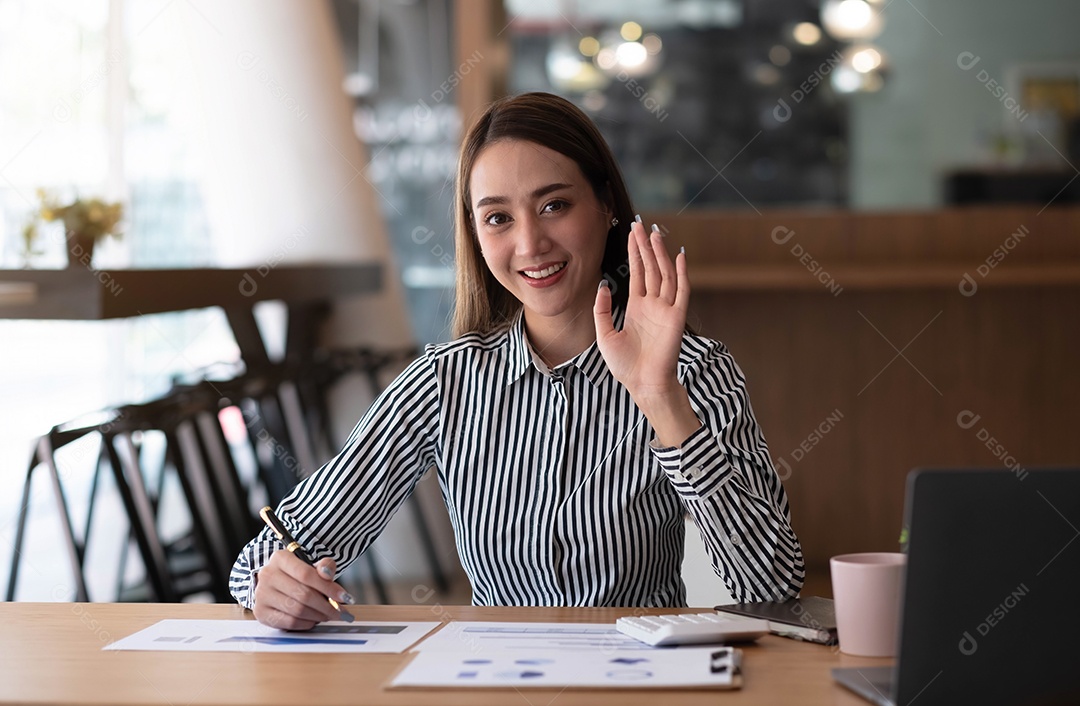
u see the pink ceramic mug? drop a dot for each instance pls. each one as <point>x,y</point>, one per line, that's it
<point>866,593</point>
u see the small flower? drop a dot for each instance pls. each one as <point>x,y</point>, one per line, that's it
<point>90,219</point>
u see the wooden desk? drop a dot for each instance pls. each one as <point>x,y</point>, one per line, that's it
<point>52,654</point>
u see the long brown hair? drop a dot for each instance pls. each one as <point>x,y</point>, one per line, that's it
<point>482,304</point>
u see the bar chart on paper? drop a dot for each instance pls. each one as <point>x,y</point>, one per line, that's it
<point>471,635</point>
<point>250,636</point>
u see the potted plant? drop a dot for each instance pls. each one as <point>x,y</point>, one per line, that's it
<point>86,221</point>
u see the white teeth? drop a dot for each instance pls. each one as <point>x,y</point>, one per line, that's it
<point>541,274</point>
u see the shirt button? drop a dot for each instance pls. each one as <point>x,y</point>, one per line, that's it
<point>735,541</point>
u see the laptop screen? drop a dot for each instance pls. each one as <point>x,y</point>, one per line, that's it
<point>990,607</point>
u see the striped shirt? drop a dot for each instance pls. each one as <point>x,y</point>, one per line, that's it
<point>556,495</point>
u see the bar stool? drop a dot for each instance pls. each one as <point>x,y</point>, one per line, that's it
<point>197,453</point>
<point>44,456</point>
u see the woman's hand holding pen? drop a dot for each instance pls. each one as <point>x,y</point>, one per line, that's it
<point>644,356</point>
<point>293,595</point>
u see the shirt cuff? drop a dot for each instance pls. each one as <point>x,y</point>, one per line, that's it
<point>697,468</point>
<point>256,556</point>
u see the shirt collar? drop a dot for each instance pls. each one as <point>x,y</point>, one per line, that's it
<point>520,356</point>
<point>517,352</point>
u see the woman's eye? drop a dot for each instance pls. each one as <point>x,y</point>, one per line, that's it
<point>496,219</point>
<point>554,206</point>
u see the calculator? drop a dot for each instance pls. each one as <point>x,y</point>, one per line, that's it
<point>691,628</point>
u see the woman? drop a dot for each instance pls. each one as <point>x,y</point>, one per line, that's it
<point>567,446</point>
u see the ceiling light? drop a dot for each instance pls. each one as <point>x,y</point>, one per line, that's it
<point>806,33</point>
<point>630,31</point>
<point>631,54</point>
<point>865,59</point>
<point>863,69</point>
<point>846,79</point>
<point>605,59</point>
<point>628,59</point>
<point>851,19</point>
<point>568,71</point>
<point>652,44</point>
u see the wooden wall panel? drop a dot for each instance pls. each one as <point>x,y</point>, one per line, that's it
<point>1008,354</point>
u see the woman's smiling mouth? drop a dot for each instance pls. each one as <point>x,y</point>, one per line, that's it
<point>545,275</point>
<point>546,272</point>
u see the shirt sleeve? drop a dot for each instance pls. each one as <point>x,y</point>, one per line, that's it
<point>725,478</point>
<point>340,509</point>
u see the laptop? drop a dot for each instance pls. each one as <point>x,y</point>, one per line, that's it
<point>991,607</point>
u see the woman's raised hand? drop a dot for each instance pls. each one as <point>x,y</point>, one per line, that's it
<point>645,354</point>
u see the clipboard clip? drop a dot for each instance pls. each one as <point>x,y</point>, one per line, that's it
<point>723,660</point>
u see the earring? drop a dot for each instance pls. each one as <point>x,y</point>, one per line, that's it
<point>614,222</point>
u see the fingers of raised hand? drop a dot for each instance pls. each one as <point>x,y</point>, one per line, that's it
<point>602,312</point>
<point>682,296</point>
<point>634,254</point>
<point>653,276</point>
<point>652,271</point>
<point>669,283</point>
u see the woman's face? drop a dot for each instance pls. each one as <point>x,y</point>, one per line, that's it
<point>540,226</point>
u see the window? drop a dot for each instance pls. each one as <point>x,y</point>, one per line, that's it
<point>97,100</point>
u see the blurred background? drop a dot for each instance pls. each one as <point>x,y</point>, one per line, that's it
<point>878,200</point>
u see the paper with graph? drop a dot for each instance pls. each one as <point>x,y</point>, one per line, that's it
<point>254,637</point>
<point>684,668</point>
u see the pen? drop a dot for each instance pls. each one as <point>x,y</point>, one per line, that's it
<point>272,521</point>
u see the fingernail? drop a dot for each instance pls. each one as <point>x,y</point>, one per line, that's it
<point>637,218</point>
<point>603,284</point>
<point>346,598</point>
<point>325,571</point>
<point>655,229</point>
<point>347,616</point>
<point>682,250</point>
